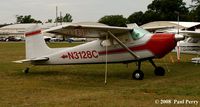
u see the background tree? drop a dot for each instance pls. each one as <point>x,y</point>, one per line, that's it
<point>136,17</point>
<point>67,18</point>
<point>161,10</point>
<point>19,18</point>
<point>114,20</point>
<point>194,14</point>
<point>59,19</point>
<point>166,9</point>
<point>27,19</point>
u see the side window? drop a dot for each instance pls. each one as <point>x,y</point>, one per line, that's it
<point>135,35</point>
<point>138,33</point>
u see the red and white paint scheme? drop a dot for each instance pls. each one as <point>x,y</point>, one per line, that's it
<point>114,45</point>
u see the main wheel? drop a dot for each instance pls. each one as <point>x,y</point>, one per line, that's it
<point>159,71</point>
<point>138,75</point>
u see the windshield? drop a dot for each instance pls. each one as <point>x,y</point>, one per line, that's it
<point>139,33</point>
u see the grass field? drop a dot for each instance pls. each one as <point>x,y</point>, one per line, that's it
<point>83,85</point>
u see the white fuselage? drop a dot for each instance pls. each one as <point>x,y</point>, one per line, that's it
<point>94,52</point>
<point>126,47</point>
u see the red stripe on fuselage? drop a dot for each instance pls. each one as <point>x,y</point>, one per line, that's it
<point>159,45</point>
<point>33,33</point>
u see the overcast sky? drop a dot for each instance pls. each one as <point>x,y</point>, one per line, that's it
<point>81,10</point>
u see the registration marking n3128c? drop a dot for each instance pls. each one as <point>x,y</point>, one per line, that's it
<point>80,55</point>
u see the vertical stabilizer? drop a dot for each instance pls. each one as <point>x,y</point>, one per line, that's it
<point>35,43</point>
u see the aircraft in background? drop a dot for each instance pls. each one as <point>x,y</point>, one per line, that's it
<point>70,40</point>
<point>191,30</point>
<point>114,45</point>
<point>190,45</point>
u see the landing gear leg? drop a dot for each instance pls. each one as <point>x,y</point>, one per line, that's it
<point>159,71</point>
<point>138,74</point>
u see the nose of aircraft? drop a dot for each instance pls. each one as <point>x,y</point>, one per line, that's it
<point>164,43</point>
<point>179,37</point>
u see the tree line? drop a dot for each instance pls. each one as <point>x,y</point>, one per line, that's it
<point>158,10</point>
<point>29,19</point>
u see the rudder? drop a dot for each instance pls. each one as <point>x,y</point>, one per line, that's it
<point>35,43</point>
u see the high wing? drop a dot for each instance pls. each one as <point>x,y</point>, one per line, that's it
<point>155,28</point>
<point>193,34</point>
<point>81,30</point>
<point>97,30</point>
<point>187,33</point>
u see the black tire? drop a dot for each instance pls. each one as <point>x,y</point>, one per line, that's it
<point>159,71</point>
<point>138,75</point>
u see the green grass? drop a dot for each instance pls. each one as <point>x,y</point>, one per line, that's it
<point>83,85</point>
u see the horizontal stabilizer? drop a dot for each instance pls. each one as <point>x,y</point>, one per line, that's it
<point>32,60</point>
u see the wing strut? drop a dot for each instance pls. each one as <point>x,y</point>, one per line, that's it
<point>124,46</point>
<point>106,68</point>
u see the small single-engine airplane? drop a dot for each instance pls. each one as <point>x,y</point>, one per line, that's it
<point>114,45</point>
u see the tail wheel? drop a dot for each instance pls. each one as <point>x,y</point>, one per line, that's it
<point>138,75</point>
<point>26,70</point>
<point>159,71</point>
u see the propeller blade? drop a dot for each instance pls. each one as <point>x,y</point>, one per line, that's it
<point>178,51</point>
